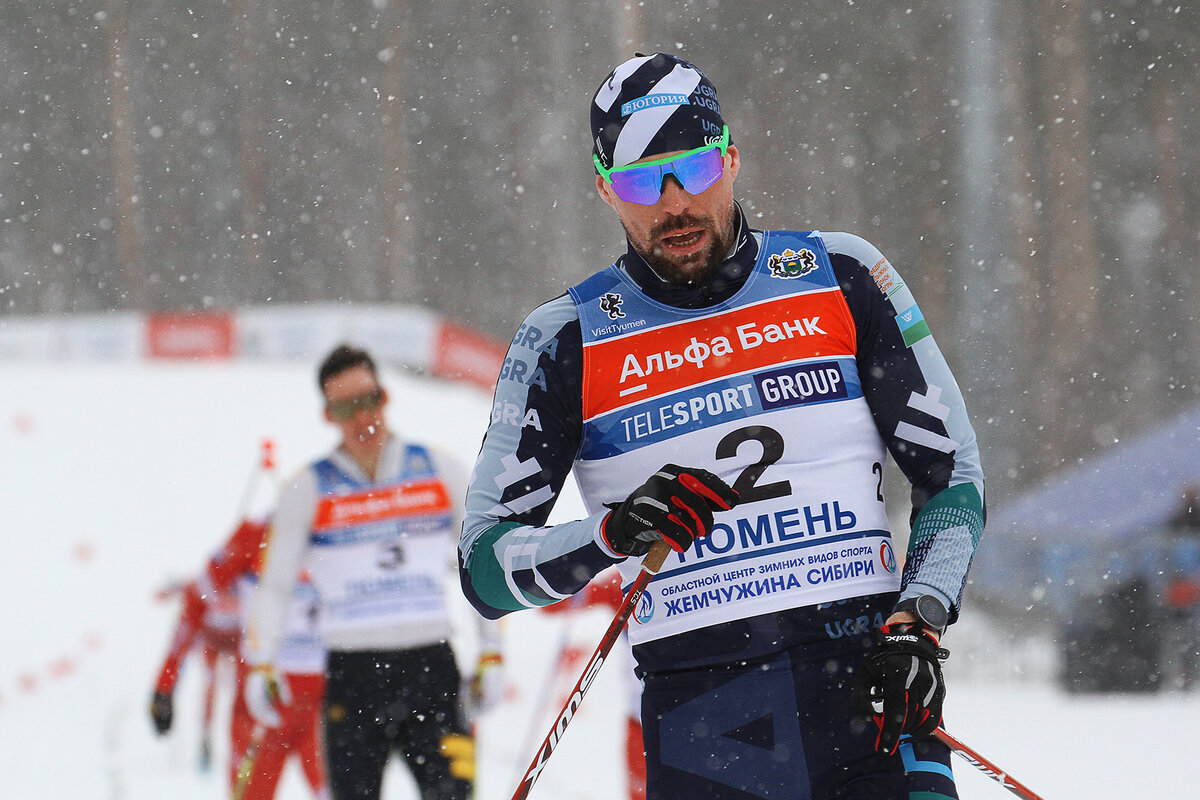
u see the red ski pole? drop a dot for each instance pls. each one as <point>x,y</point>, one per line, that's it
<point>986,767</point>
<point>265,464</point>
<point>650,566</point>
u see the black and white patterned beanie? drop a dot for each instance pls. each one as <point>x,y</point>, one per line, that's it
<point>653,104</point>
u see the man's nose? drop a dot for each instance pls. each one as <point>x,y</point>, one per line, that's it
<point>366,412</point>
<point>674,197</point>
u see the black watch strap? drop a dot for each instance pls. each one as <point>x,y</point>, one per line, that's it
<point>928,609</point>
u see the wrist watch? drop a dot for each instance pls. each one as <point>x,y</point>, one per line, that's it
<point>928,609</point>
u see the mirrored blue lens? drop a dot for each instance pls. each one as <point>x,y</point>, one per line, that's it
<point>643,185</point>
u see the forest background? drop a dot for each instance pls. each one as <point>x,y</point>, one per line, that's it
<point>1027,166</point>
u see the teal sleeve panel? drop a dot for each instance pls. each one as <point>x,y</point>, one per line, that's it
<point>942,544</point>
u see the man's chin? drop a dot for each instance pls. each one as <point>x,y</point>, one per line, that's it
<point>685,271</point>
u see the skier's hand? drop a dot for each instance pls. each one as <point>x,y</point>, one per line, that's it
<point>903,683</point>
<point>266,693</point>
<point>162,711</point>
<point>487,684</point>
<point>676,504</point>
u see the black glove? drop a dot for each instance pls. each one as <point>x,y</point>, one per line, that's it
<point>675,504</point>
<point>903,683</point>
<point>162,711</point>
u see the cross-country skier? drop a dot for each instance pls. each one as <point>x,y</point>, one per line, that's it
<point>374,523</point>
<point>735,392</point>
<point>209,627</point>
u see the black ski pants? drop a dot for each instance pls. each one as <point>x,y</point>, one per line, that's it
<point>402,700</point>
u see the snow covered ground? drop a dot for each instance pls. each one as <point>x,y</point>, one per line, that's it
<point>119,477</point>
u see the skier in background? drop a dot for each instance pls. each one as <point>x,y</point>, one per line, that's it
<point>209,627</point>
<point>258,752</point>
<point>374,523</point>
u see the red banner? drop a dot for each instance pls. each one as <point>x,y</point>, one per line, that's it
<point>197,335</point>
<point>464,354</point>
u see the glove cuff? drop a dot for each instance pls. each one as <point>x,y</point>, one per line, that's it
<point>606,542</point>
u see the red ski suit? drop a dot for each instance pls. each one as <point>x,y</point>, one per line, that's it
<point>258,753</point>
<point>208,623</point>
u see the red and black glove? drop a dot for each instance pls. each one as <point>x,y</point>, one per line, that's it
<point>904,684</point>
<point>675,504</point>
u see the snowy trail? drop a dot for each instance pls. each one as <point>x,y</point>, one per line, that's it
<point>119,477</point>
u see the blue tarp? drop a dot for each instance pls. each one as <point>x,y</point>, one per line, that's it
<point>1097,522</point>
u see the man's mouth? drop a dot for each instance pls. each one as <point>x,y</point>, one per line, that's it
<point>683,240</point>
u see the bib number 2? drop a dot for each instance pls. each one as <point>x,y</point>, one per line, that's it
<point>747,486</point>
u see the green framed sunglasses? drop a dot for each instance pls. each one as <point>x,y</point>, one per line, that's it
<point>696,170</point>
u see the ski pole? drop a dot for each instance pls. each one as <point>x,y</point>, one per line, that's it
<point>246,765</point>
<point>986,767</point>
<point>650,566</point>
<point>265,463</point>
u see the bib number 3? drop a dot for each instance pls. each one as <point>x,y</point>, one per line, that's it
<point>392,557</point>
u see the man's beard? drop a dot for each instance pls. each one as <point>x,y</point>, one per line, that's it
<point>693,268</point>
